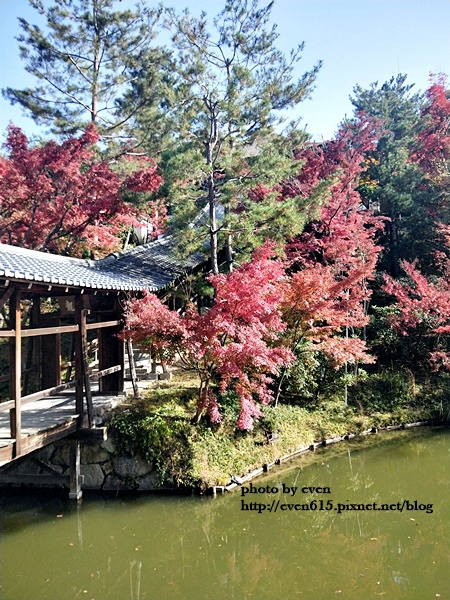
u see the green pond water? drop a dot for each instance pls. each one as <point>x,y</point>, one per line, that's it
<point>194,548</point>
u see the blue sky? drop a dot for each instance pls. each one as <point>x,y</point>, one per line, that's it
<point>359,42</point>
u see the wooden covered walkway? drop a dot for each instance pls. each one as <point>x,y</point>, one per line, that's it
<point>49,419</point>
<point>43,422</point>
<point>53,311</point>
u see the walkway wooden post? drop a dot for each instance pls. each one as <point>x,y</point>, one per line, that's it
<point>81,364</point>
<point>16,372</point>
<point>85,365</point>
<point>132,366</point>
<point>79,378</point>
<point>75,478</point>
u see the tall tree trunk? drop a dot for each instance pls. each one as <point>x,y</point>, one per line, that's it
<point>393,235</point>
<point>229,252</point>
<point>213,226</point>
<point>212,197</point>
<point>96,66</point>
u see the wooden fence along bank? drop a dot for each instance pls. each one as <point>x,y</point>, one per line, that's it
<point>53,310</point>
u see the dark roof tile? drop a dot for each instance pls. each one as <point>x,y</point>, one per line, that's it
<point>152,266</point>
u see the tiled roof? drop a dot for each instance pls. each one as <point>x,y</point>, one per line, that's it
<point>152,266</point>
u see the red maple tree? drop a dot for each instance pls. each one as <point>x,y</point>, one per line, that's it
<point>335,258</point>
<point>432,151</point>
<point>60,198</point>
<point>234,346</point>
<point>425,305</point>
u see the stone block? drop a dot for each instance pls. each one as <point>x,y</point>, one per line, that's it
<point>108,446</point>
<point>61,455</point>
<point>107,467</point>
<point>165,376</point>
<point>114,484</point>
<point>151,376</point>
<point>26,467</point>
<point>45,453</point>
<point>93,454</point>
<point>93,477</point>
<point>149,482</point>
<point>131,468</point>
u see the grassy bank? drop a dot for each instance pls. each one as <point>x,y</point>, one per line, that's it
<point>157,428</point>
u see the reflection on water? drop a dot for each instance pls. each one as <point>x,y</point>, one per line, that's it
<point>154,547</point>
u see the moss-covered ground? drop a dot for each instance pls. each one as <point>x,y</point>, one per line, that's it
<point>158,427</point>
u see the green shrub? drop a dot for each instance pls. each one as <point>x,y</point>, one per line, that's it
<point>163,440</point>
<point>384,391</point>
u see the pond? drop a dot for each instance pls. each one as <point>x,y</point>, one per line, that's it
<point>377,525</point>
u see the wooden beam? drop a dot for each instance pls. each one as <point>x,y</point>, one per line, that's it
<point>134,383</point>
<point>32,332</point>
<point>104,372</point>
<point>90,434</point>
<point>45,480</point>
<point>4,406</point>
<point>39,440</point>
<point>102,325</point>
<point>49,330</point>
<point>10,333</point>
<point>47,392</point>
<point>6,296</point>
<point>6,451</point>
<point>44,466</point>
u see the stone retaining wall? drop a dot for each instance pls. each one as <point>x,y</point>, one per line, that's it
<point>101,467</point>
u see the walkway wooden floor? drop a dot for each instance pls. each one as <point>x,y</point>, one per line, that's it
<point>45,421</point>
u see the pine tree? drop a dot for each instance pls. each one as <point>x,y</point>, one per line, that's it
<point>82,61</point>
<point>391,181</point>
<point>227,154</point>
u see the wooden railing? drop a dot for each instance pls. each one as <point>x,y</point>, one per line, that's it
<point>82,371</point>
<point>35,331</point>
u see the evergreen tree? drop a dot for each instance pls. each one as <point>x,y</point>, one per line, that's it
<point>82,61</point>
<point>226,154</point>
<point>391,182</point>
